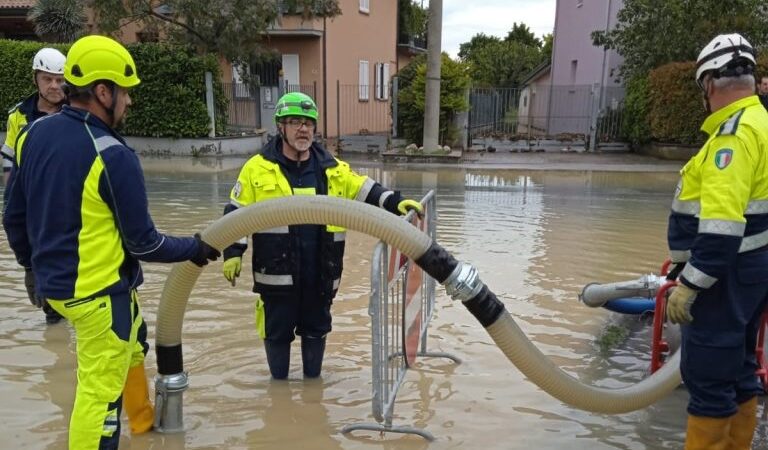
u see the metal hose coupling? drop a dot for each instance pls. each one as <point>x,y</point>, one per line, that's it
<point>464,282</point>
<point>169,400</point>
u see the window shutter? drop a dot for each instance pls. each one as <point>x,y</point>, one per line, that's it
<point>363,80</point>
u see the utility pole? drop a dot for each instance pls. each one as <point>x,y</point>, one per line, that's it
<point>432,94</point>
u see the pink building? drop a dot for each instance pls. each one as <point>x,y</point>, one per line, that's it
<point>582,79</point>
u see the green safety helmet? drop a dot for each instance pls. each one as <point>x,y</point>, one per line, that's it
<point>94,58</point>
<point>296,104</point>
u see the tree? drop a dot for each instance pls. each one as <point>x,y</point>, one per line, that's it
<point>412,21</point>
<point>478,41</point>
<point>411,98</point>
<point>496,62</point>
<point>233,29</point>
<point>546,49</point>
<point>58,20</point>
<point>522,34</point>
<point>651,33</point>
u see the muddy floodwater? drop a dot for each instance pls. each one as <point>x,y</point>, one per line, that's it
<point>537,237</point>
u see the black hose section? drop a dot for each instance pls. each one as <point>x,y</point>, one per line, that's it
<point>485,307</point>
<point>437,262</point>
<point>169,359</point>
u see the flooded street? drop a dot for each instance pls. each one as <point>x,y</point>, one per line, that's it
<point>537,238</point>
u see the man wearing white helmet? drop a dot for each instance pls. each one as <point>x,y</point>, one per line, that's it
<point>48,76</point>
<point>718,231</point>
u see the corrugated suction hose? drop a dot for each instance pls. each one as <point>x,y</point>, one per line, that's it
<point>435,261</point>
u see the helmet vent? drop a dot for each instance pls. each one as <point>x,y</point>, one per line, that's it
<point>76,71</point>
<point>128,70</point>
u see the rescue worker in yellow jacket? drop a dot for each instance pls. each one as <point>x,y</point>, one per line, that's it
<point>77,215</point>
<point>48,76</point>
<point>297,269</point>
<point>718,228</point>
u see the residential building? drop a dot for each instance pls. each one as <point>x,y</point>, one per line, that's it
<point>13,19</point>
<point>345,63</point>
<point>582,79</point>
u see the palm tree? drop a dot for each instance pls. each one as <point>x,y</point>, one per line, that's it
<point>58,20</point>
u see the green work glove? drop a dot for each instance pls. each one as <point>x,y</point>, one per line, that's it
<point>406,205</point>
<point>232,268</point>
<point>679,304</point>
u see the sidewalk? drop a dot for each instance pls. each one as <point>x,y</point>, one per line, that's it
<point>602,162</point>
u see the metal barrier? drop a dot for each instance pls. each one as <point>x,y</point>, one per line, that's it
<point>401,305</point>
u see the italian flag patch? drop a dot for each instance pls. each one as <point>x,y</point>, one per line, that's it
<point>723,157</point>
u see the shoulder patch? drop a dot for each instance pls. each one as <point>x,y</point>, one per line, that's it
<point>723,158</point>
<point>732,124</point>
<point>237,189</point>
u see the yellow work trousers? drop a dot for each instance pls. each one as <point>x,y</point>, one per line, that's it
<point>106,330</point>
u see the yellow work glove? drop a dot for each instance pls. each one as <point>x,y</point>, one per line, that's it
<point>406,205</point>
<point>232,268</point>
<point>679,304</point>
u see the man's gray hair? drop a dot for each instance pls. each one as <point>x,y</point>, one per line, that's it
<point>740,82</point>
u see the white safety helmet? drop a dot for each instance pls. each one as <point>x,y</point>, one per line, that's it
<point>49,60</point>
<point>726,55</point>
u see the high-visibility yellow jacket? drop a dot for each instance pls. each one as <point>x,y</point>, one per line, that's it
<point>18,116</point>
<point>720,207</point>
<point>275,251</point>
<point>76,210</point>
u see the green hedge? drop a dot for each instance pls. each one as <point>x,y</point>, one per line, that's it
<point>675,108</point>
<point>169,102</point>
<point>667,105</point>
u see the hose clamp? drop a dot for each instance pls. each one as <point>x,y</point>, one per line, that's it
<point>463,283</point>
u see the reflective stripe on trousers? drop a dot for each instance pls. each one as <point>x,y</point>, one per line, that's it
<point>107,330</point>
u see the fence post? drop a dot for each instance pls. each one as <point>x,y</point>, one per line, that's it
<point>209,103</point>
<point>338,115</point>
<point>595,113</point>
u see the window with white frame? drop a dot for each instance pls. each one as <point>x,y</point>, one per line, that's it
<point>381,80</point>
<point>365,6</point>
<point>364,81</point>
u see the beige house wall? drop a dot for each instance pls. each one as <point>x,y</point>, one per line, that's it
<point>352,37</point>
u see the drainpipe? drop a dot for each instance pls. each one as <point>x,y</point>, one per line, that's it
<point>552,70</point>
<point>325,85</point>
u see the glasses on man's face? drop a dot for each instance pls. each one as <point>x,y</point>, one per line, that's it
<point>297,122</point>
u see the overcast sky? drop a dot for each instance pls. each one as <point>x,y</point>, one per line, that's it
<point>463,19</point>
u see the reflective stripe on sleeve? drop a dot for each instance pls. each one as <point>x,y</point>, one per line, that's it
<point>365,189</point>
<point>384,197</point>
<point>697,277</point>
<point>691,208</point>
<point>679,256</point>
<point>722,227</point>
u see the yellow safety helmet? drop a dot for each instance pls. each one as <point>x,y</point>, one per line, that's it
<point>94,58</point>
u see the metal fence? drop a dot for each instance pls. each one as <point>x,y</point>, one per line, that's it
<point>584,111</point>
<point>401,306</point>
<point>363,109</point>
<point>252,108</point>
<point>244,107</point>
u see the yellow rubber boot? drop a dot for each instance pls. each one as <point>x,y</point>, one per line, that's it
<point>136,402</point>
<point>708,433</point>
<point>743,425</point>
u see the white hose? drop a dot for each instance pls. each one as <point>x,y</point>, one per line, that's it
<point>413,243</point>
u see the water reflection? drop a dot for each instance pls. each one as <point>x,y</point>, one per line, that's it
<point>537,239</point>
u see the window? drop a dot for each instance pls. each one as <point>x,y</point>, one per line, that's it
<point>381,75</point>
<point>574,67</point>
<point>365,6</point>
<point>363,83</point>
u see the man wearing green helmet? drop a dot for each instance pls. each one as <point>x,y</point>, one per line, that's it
<point>297,269</point>
<point>76,215</point>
